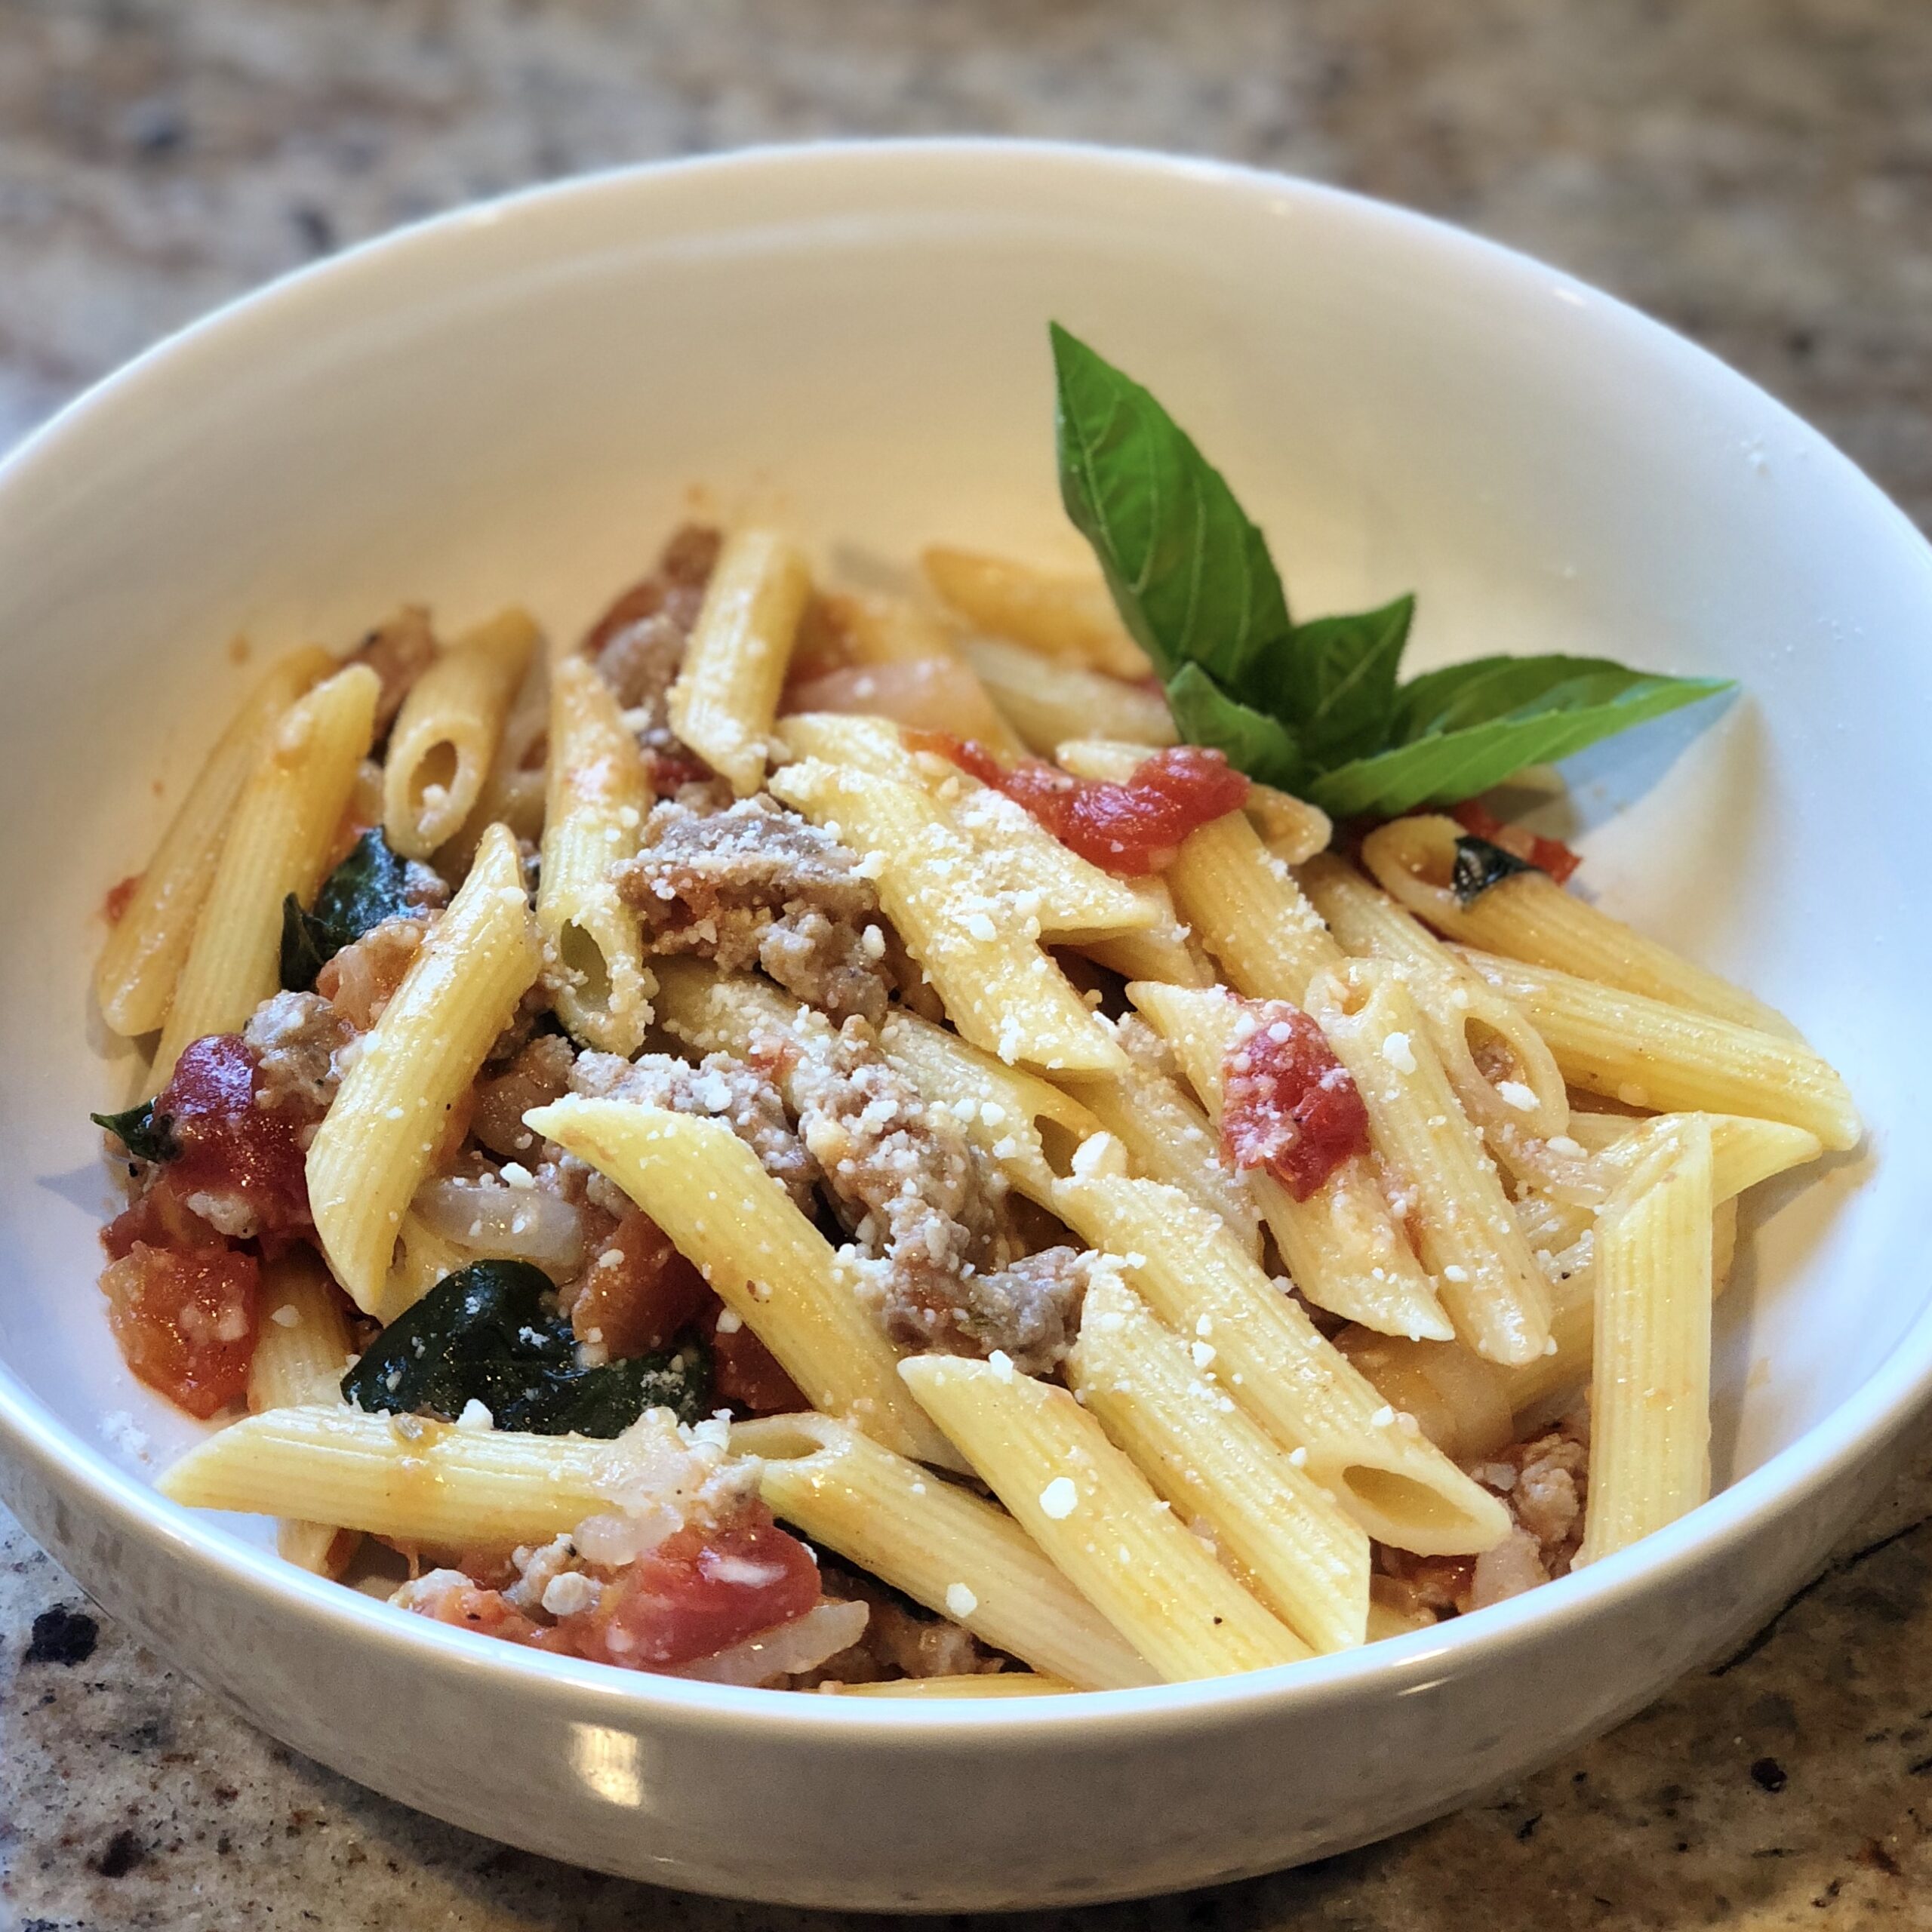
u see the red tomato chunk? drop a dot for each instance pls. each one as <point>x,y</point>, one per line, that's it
<point>114,907</point>
<point>1547,855</point>
<point>1288,1104</point>
<point>230,1148</point>
<point>747,1373</point>
<point>697,1593</point>
<point>185,1319</point>
<point>1130,829</point>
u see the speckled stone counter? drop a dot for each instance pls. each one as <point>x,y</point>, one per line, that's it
<point>1758,172</point>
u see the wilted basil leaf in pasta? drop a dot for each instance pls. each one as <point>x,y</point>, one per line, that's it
<point>147,1135</point>
<point>370,885</point>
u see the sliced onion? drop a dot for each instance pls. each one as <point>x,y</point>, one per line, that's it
<point>518,1223</point>
<point>803,1644</point>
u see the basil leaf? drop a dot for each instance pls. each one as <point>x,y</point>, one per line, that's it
<point>370,885</point>
<point>146,1134</point>
<point>1254,742</point>
<point>1191,574</point>
<point>1335,678</point>
<point>488,1334</point>
<point>1457,764</point>
<point>1479,864</point>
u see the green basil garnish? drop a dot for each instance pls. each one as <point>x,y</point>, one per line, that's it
<point>368,887</point>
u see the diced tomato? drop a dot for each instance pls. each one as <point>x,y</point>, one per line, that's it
<point>159,1219</point>
<point>114,907</point>
<point>671,770</point>
<point>696,1593</point>
<point>639,1292</point>
<point>745,1373</point>
<point>229,1145</point>
<point>1130,829</point>
<point>1547,855</point>
<point>1288,1104</point>
<point>470,1605</point>
<point>185,1320</point>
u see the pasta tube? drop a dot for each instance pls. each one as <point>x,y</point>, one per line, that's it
<point>597,795</point>
<point>1048,701</point>
<point>1094,1514</point>
<point>977,946</point>
<point>996,1684</point>
<point>134,978</point>
<point>1070,618</point>
<point>1528,916</point>
<point>1649,1054</point>
<point>279,837</point>
<point>445,737</point>
<point>1341,1245</point>
<point>725,697</point>
<point>1651,1382</point>
<point>1283,1533</point>
<point>1272,1361</point>
<point>1469,1239</point>
<point>942,1545</point>
<point>374,1145</point>
<point>704,1187</point>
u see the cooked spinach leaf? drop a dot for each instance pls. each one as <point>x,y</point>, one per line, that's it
<point>1479,864</point>
<point>370,885</point>
<point>1313,707</point>
<point>147,1135</point>
<point>490,1333</point>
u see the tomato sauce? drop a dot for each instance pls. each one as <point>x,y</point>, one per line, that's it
<point>114,907</point>
<point>639,1293</point>
<point>1131,829</point>
<point>1547,855</point>
<point>746,1374</point>
<point>229,1145</point>
<point>1288,1105</point>
<point>185,1319</point>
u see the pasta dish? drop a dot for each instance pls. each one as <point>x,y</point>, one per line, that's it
<point>1035,1136</point>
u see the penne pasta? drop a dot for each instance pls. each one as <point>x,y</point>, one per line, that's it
<point>376,1142</point>
<point>598,793</point>
<point>1650,1385</point>
<point>422,1258</point>
<point>1055,615</point>
<point>1459,1401</point>
<point>514,786</point>
<point>704,1187</point>
<point>725,698</point>
<point>1046,700</point>
<point>996,1684</point>
<point>445,738</point>
<point>148,946</point>
<point>1526,915</point>
<point>1095,1515</point>
<point>280,835</point>
<point>1647,1053</point>
<point>1458,1216</point>
<point>1272,1362</point>
<point>1282,1532</point>
<point>942,1545</point>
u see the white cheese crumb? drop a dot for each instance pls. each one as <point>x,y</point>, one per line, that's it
<point>120,1431</point>
<point>982,928</point>
<point>1098,1155</point>
<point>1549,1347</point>
<point>1134,1258</point>
<point>1561,1143</point>
<point>1299,1457</point>
<point>991,1112</point>
<point>1632,1095</point>
<point>872,942</point>
<point>1453,1273</point>
<point>515,1174</point>
<point>1060,1499</point>
<point>1001,1363</point>
<point>1397,1051</point>
<point>287,1316</point>
<point>1203,1353</point>
<point>475,1415</point>
<point>730,1322</point>
<point>960,1601</point>
<point>1514,1093</point>
<point>1383,1418</point>
<point>569,1592</point>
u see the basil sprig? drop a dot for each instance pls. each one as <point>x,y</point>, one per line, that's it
<point>370,885</point>
<point>147,1135</point>
<point>1314,708</point>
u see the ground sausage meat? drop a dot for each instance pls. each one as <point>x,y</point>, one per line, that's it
<point>900,1639</point>
<point>638,643</point>
<point>297,1036</point>
<point>758,885</point>
<point>925,1210</point>
<point>719,1088</point>
<point>539,1074</point>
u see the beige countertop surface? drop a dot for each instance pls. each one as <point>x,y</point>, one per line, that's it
<point>1756,172</point>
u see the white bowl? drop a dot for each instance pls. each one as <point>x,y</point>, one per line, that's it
<point>514,403</point>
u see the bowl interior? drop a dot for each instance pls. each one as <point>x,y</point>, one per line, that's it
<point>515,404</point>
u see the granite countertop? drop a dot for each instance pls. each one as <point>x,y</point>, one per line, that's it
<point>1755,171</point>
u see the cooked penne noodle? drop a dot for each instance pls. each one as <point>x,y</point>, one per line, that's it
<point>996,1684</point>
<point>1646,1053</point>
<point>1283,1534</point>
<point>376,1143</point>
<point>1097,1518</point>
<point>303,1348</point>
<point>1273,1362</point>
<point>514,787</point>
<point>148,946</point>
<point>598,794</point>
<point>407,1477</point>
<point>422,1258</point>
<point>1528,916</point>
<point>944,1547</point>
<point>1650,1386</point>
<point>979,950</point>
<point>1459,1401</point>
<point>279,837</point>
<point>725,698</point>
<point>1291,827</point>
<point>1484,1272</point>
<point>445,738</point>
<point>704,1187</point>
<point>1045,700</point>
<point>1054,614</point>
<point>1342,1245</point>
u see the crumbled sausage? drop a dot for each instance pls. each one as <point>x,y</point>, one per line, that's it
<point>638,643</point>
<point>297,1036</point>
<point>757,885</point>
<point>538,1075</point>
<point>900,1639</point>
